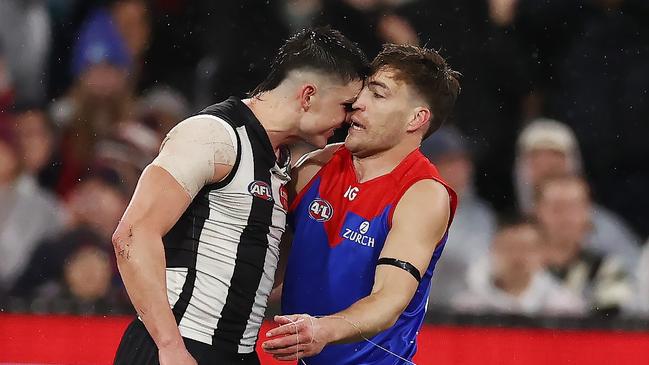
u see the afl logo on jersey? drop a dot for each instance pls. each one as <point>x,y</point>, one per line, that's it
<point>320,210</point>
<point>260,189</point>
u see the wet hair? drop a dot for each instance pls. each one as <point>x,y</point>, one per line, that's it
<point>321,49</point>
<point>428,73</point>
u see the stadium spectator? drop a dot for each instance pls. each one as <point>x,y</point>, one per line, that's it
<point>38,144</point>
<point>474,222</point>
<point>563,210</point>
<point>160,108</point>
<point>549,148</point>
<point>589,60</point>
<point>27,215</point>
<point>100,98</point>
<point>95,206</point>
<point>87,284</point>
<point>641,304</point>
<point>512,280</point>
<point>132,21</point>
<point>131,18</point>
<point>25,33</point>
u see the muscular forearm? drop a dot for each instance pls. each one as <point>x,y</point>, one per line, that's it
<point>365,318</point>
<point>142,266</point>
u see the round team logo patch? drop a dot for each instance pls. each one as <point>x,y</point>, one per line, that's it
<point>260,189</point>
<point>320,210</point>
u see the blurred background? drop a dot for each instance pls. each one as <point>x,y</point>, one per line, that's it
<point>547,146</point>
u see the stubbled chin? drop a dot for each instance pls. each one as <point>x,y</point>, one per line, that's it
<point>350,144</point>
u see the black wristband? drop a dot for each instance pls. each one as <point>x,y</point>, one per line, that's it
<point>402,265</point>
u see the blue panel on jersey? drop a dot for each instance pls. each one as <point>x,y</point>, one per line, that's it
<point>324,278</point>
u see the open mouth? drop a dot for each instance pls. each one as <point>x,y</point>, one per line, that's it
<point>356,126</point>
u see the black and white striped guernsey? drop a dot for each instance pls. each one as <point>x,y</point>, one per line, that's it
<point>223,251</point>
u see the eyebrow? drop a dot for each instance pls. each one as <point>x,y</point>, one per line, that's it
<point>379,84</point>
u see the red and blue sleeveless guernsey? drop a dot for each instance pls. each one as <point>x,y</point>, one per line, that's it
<point>340,226</point>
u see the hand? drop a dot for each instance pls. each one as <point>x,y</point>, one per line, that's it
<point>298,336</point>
<point>177,355</point>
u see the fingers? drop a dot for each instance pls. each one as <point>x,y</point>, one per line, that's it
<point>290,318</point>
<point>276,345</point>
<point>287,329</point>
<point>286,350</point>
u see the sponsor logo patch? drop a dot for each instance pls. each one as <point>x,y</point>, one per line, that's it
<point>359,235</point>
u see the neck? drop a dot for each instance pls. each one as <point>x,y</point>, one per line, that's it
<point>513,284</point>
<point>381,163</point>
<point>560,252</point>
<point>279,122</point>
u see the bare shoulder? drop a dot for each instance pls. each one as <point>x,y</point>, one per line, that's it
<point>199,150</point>
<point>425,200</point>
<point>203,129</point>
<point>307,166</point>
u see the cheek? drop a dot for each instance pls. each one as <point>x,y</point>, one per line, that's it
<point>389,130</point>
<point>336,118</point>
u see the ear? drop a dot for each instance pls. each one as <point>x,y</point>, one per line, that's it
<point>420,119</point>
<point>307,91</point>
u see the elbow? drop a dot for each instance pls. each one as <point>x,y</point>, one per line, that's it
<point>398,306</point>
<point>121,240</point>
<point>391,321</point>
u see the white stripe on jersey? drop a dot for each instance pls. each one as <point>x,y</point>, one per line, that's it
<point>229,210</point>
<point>270,265</point>
<point>176,277</point>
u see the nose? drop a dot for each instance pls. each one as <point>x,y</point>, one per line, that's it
<point>358,104</point>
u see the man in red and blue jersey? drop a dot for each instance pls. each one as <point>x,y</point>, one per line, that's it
<point>370,220</point>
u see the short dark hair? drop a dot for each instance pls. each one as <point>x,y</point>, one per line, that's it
<point>322,49</point>
<point>513,220</point>
<point>428,73</point>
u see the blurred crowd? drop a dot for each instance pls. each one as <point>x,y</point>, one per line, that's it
<point>546,148</point>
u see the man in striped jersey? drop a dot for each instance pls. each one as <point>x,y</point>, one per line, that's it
<point>197,247</point>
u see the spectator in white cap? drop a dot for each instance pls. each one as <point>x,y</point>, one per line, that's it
<point>474,222</point>
<point>548,148</point>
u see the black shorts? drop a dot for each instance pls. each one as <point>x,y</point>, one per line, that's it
<point>137,347</point>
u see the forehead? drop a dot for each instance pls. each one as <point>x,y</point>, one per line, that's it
<point>564,190</point>
<point>387,77</point>
<point>389,80</point>
<point>517,234</point>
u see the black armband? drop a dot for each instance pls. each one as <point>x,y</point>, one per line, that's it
<point>402,265</point>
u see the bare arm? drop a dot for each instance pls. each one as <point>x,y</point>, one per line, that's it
<point>187,162</point>
<point>156,205</point>
<point>415,231</point>
<point>414,235</point>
